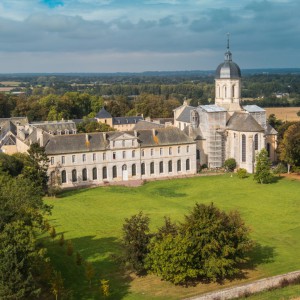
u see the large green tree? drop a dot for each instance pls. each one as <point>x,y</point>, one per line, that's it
<point>289,146</point>
<point>210,245</point>
<point>135,240</point>
<point>18,256</point>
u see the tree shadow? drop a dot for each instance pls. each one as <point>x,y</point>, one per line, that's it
<point>100,253</point>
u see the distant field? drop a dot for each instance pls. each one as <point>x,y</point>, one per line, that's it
<point>93,218</point>
<point>284,113</point>
<point>10,83</point>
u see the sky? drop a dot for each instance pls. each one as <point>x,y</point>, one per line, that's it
<point>146,35</point>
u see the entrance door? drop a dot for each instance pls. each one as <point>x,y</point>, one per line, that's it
<point>124,173</point>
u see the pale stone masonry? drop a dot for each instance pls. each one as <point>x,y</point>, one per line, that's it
<point>95,158</point>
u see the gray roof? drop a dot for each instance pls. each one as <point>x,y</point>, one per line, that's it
<point>271,130</point>
<point>143,125</point>
<point>185,114</point>
<point>242,121</point>
<point>212,108</point>
<point>55,125</point>
<point>76,143</point>
<point>229,70</point>
<point>126,120</point>
<point>253,108</point>
<point>103,114</point>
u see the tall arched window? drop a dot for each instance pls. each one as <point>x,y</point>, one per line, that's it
<point>269,149</point>
<point>161,167</point>
<point>233,88</point>
<point>114,171</point>
<point>152,168</point>
<point>170,166</point>
<point>256,142</point>
<point>143,170</point>
<point>198,154</point>
<point>178,165</point>
<point>94,173</point>
<point>74,175</point>
<point>225,91</point>
<point>63,176</point>
<point>243,148</point>
<point>187,164</point>
<point>104,173</point>
<point>84,174</point>
<point>133,170</point>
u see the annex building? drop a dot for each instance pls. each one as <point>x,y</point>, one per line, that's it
<point>226,129</point>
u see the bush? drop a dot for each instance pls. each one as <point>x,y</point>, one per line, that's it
<point>280,169</point>
<point>242,173</point>
<point>204,166</point>
<point>230,164</point>
<point>296,170</point>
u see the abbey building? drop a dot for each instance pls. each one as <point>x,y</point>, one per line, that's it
<point>226,129</point>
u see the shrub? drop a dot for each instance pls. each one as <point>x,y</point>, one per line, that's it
<point>296,170</point>
<point>242,173</point>
<point>204,166</point>
<point>70,248</point>
<point>230,164</point>
<point>280,168</point>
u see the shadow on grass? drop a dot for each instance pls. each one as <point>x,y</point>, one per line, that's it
<point>99,252</point>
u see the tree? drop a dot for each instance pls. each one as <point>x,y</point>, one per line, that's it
<point>262,171</point>
<point>36,166</point>
<point>289,147</point>
<point>210,245</point>
<point>104,286</point>
<point>79,259</point>
<point>57,284</point>
<point>61,241</point>
<point>70,248</point>
<point>135,240</point>
<point>52,233</point>
<point>18,256</point>
<point>274,122</point>
<point>230,164</point>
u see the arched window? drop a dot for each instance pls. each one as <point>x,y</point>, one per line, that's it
<point>143,152</point>
<point>94,173</point>
<point>198,154</point>
<point>133,170</point>
<point>84,174</point>
<point>74,175</point>
<point>104,173</point>
<point>187,164</point>
<point>256,142</point>
<point>233,88</point>
<point>114,171</point>
<point>52,178</point>
<point>269,149</point>
<point>170,166</point>
<point>225,92</point>
<point>243,148</point>
<point>161,167</point>
<point>152,168</point>
<point>178,165</point>
<point>63,176</point>
<point>143,170</point>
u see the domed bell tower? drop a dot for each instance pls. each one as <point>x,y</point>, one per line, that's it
<point>228,83</point>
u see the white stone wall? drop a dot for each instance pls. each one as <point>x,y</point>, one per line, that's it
<point>123,159</point>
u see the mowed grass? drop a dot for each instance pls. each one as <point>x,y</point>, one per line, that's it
<point>93,219</point>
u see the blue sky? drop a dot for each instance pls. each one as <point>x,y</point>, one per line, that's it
<point>146,35</point>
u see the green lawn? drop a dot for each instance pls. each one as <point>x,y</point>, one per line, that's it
<point>93,219</point>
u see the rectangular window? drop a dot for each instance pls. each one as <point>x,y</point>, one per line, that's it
<point>83,157</point>
<point>133,153</point>
<point>178,149</point>
<point>63,160</point>
<point>161,152</point>
<point>152,152</point>
<point>170,151</point>
<point>52,160</point>
<point>114,155</point>
<point>94,156</point>
<point>73,158</point>
<point>187,149</point>
<point>104,156</point>
<point>124,154</point>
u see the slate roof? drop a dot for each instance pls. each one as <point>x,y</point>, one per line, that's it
<point>212,108</point>
<point>126,120</point>
<point>103,114</point>
<point>143,125</point>
<point>185,114</point>
<point>253,108</point>
<point>76,143</point>
<point>270,130</point>
<point>241,121</point>
<point>55,126</point>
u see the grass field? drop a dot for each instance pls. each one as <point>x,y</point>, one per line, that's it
<point>284,113</point>
<point>93,219</point>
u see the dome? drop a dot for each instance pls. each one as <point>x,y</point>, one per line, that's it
<point>228,69</point>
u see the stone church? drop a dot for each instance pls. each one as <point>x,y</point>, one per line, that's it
<point>226,129</point>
